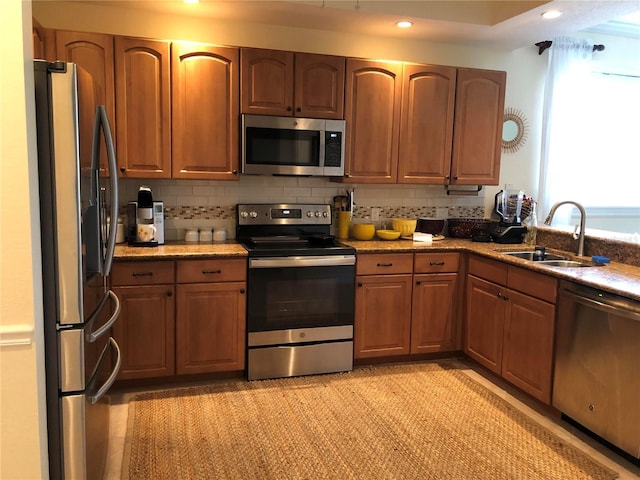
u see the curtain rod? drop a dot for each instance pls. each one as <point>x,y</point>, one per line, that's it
<point>542,46</point>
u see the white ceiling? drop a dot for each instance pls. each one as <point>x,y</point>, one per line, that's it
<point>507,24</point>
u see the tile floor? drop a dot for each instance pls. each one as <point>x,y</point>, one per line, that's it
<point>625,469</point>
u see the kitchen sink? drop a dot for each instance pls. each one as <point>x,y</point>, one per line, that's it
<point>568,263</point>
<point>529,255</point>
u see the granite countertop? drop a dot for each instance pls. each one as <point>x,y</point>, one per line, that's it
<point>180,250</point>
<point>614,277</point>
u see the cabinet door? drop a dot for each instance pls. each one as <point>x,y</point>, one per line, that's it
<point>477,131</point>
<point>143,108</point>
<point>319,86</point>
<point>266,82</point>
<point>383,316</point>
<point>210,328</point>
<point>92,52</point>
<point>485,322</point>
<point>426,131</point>
<point>528,345</point>
<point>372,110</point>
<point>44,42</point>
<point>434,313</point>
<point>204,99</point>
<point>145,331</point>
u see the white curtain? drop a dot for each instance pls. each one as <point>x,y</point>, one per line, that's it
<point>564,96</point>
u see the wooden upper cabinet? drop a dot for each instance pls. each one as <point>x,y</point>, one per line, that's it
<point>372,109</point>
<point>204,97</point>
<point>477,136</point>
<point>319,86</point>
<point>426,130</point>
<point>143,107</point>
<point>92,52</point>
<point>266,82</point>
<point>44,42</point>
<point>275,82</point>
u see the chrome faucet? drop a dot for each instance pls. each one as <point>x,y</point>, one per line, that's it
<point>583,221</point>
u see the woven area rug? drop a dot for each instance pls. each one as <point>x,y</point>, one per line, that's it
<point>414,421</point>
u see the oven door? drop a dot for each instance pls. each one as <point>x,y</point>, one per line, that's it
<point>292,293</point>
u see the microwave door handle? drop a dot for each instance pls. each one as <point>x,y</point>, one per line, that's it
<point>102,123</point>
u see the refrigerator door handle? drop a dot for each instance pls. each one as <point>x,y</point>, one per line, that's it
<point>93,336</point>
<point>93,399</point>
<point>102,123</point>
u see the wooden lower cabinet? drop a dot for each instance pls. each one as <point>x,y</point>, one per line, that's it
<point>145,331</point>
<point>210,327</point>
<point>383,315</point>
<point>510,324</point>
<point>433,313</point>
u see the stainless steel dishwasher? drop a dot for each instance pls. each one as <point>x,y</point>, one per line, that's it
<point>597,364</point>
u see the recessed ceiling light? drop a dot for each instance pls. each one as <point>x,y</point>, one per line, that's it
<point>550,14</point>
<point>404,24</point>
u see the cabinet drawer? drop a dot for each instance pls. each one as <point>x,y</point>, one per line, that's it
<point>142,273</point>
<point>491,270</point>
<point>209,271</point>
<point>386,263</point>
<point>436,263</point>
<point>534,284</point>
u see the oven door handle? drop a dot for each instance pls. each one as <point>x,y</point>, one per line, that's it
<point>302,261</point>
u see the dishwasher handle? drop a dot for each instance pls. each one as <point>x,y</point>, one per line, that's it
<point>608,303</point>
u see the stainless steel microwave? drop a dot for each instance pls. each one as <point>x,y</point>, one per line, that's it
<point>292,146</point>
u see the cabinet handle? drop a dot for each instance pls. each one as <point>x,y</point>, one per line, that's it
<point>418,282</point>
<point>505,297</point>
<point>499,294</point>
<point>359,284</point>
<point>242,290</point>
<point>142,274</point>
<point>436,264</point>
<point>210,272</point>
<point>289,109</point>
<point>455,177</point>
<point>298,109</point>
<point>169,293</point>
<point>234,172</point>
<point>122,169</point>
<point>347,175</point>
<point>385,264</point>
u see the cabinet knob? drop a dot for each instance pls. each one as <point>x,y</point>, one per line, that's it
<point>298,109</point>
<point>169,293</point>
<point>289,109</point>
<point>418,282</point>
<point>455,177</point>
<point>359,284</point>
<point>122,169</point>
<point>234,172</point>
<point>242,290</point>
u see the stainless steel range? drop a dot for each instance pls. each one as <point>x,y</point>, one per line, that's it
<point>300,291</point>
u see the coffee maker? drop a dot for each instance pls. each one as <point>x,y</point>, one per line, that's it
<point>145,220</point>
<point>508,206</point>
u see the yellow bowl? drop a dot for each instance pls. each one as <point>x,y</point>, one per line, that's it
<point>363,231</point>
<point>406,226</point>
<point>388,234</point>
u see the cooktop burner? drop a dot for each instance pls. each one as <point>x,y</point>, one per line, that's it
<point>287,230</point>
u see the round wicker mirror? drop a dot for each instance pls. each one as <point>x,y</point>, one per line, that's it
<point>514,130</point>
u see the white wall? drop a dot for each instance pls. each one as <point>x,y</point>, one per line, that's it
<point>22,401</point>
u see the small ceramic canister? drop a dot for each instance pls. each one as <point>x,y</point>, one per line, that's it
<point>191,236</point>
<point>219,234</point>
<point>205,235</point>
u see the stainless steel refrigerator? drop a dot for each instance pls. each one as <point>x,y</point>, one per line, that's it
<point>77,191</point>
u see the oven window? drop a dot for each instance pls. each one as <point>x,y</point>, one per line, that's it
<point>289,298</point>
<point>274,146</point>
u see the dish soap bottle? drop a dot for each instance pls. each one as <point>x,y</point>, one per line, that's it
<point>531,222</point>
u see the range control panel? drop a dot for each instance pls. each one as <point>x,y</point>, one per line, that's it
<point>284,214</point>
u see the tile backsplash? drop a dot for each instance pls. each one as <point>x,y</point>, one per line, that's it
<point>212,204</point>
